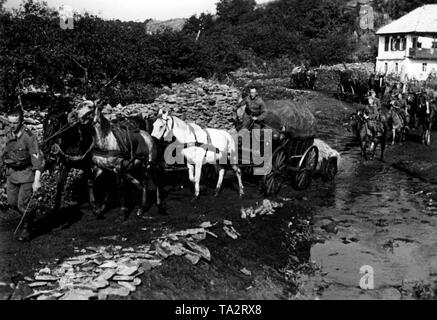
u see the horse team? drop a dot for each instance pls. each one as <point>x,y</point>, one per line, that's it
<point>88,142</point>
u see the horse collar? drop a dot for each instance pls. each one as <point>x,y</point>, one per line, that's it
<point>172,122</point>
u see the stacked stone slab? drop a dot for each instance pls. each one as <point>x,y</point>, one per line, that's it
<point>205,102</point>
<point>328,77</point>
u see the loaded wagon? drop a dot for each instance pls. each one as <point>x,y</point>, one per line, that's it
<point>294,156</point>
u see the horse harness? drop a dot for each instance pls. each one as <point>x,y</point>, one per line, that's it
<point>206,146</point>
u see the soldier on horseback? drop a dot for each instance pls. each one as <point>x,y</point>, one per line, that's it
<point>396,90</point>
<point>372,114</point>
<point>374,106</point>
<point>400,105</point>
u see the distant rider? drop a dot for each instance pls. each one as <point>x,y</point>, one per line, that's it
<point>372,114</point>
<point>374,106</point>
<point>401,106</point>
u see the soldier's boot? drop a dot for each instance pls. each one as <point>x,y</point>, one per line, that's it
<point>26,231</point>
<point>25,234</point>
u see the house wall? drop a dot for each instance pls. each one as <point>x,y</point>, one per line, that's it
<point>415,68</point>
<point>398,54</point>
<point>391,66</point>
<point>407,68</point>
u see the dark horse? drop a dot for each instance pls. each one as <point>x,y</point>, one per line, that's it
<point>374,135</point>
<point>65,146</point>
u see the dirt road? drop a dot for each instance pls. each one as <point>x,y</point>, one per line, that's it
<point>375,213</point>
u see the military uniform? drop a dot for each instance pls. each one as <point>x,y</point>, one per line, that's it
<point>402,106</point>
<point>374,108</point>
<point>254,108</point>
<point>22,157</point>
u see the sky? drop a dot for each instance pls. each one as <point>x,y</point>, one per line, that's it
<point>136,10</point>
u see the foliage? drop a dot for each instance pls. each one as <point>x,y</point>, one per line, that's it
<point>397,8</point>
<point>279,35</point>
<point>37,51</point>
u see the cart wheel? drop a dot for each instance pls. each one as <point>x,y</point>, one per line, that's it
<point>331,169</point>
<point>340,91</point>
<point>272,181</point>
<point>306,168</point>
<point>352,94</point>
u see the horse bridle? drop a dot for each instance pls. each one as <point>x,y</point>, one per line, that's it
<point>167,126</point>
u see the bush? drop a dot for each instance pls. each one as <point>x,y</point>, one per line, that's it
<point>34,49</point>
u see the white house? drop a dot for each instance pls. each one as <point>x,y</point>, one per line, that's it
<point>408,46</point>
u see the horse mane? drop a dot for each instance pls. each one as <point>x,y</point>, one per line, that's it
<point>176,119</point>
<point>53,121</point>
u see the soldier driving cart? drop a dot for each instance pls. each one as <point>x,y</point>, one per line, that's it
<point>255,109</point>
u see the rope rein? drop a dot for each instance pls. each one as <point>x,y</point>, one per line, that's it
<point>63,129</point>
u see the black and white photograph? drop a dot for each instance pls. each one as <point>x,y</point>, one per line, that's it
<point>199,151</point>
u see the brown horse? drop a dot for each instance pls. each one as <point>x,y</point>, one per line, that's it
<point>369,136</point>
<point>66,147</point>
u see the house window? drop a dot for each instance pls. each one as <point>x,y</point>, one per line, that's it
<point>386,67</point>
<point>387,43</point>
<point>424,66</point>
<point>398,44</point>
<point>403,43</point>
<point>414,42</point>
<point>393,44</point>
<point>397,67</point>
<point>434,45</point>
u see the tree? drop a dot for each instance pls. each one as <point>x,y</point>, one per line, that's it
<point>235,11</point>
<point>397,8</point>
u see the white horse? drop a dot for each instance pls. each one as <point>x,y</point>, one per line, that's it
<point>204,146</point>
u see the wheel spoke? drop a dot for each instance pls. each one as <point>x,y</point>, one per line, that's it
<point>272,180</point>
<point>311,159</point>
<point>270,185</point>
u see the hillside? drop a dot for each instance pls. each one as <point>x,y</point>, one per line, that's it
<point>177,24</point>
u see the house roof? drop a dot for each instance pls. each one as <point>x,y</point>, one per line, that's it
<point>420,20</point>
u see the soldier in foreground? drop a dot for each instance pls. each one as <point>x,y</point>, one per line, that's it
<point>24,164</point>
